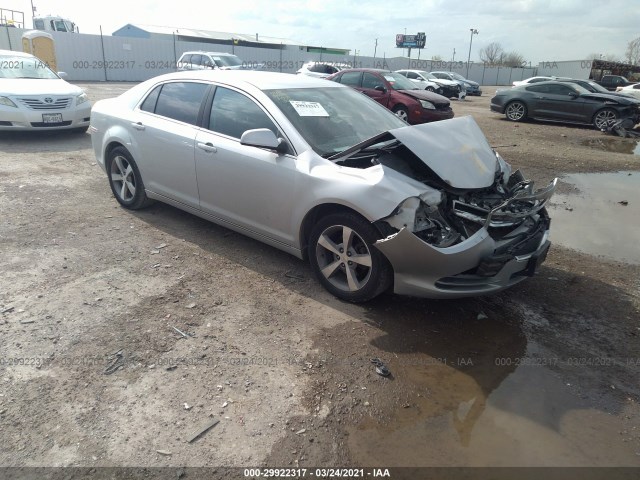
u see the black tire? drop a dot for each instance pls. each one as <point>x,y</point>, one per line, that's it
<point>430,89</point>
<point>401,112</point>
<point>125,179</point>
<point>515,111</point>
<point>605,118</point>
<point>336,267</point>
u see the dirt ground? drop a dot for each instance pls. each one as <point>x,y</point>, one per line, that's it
<point>123,333</point>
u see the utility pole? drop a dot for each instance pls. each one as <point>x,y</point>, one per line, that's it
<point>473,32</point>
<point>375,49</point>
<point>453,58</point>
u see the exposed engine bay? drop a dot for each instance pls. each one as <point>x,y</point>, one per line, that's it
<point>444,216</point>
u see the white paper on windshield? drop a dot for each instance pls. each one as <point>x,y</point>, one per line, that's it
<point>308,109</point>
<point>389,78</point>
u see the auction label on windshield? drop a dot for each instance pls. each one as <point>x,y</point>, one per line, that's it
<point>309,109</point>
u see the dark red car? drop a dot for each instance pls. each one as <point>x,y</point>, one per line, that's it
<point>397,93</point>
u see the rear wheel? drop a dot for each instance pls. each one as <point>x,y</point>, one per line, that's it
<point>402,112</point>
<point>516,111</point>
<point>343,257</point>
<point>605,118</point>
<point>125,180</point>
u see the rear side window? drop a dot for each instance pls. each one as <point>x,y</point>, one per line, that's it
<point>351,78</point>
<point>233,114</point>
<point>181,101</point>
<point>149,104</point>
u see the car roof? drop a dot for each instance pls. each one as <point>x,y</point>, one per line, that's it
<point>12,53</point>
<point>208,53</point>
<point>257,79</point>
<point>371,70</point>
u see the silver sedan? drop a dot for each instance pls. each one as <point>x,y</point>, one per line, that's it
<point>323,172</point>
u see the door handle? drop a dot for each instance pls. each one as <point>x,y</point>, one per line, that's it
<point>207,147</point>
<point>138,126</point>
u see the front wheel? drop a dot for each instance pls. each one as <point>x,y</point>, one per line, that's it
<point>125,180</point>
<point>516,111</point>
<point>605,118</point>
<point>343,257</point>
<point>430,89</point>
<point>402,113</point>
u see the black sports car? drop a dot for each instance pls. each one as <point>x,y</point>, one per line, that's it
<point>564,102</point>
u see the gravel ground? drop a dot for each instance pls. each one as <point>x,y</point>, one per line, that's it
<point>123,333</point>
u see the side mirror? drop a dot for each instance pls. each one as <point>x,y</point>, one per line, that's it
<point>63,75</point>
<point>264,138</point>
<point>380,88</point>
<point>573,94</point>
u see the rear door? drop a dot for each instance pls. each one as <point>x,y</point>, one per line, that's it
<point>163,132</point>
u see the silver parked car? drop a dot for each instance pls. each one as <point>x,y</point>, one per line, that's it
<point>323,172</point>
<point>33,97</point>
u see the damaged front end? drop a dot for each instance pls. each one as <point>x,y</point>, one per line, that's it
<point>477,228</point>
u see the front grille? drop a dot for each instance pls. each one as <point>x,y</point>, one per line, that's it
<point>41,104</point>
<point>5,124</point>
<point>57,124</point>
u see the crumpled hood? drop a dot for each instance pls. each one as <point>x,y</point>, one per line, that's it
<point>472,83</point>
<point>37,86</point>
<point>425,95</point>
<point>456,150</point>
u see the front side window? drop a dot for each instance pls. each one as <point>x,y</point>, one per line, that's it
<point>233,113</point>
<point>181,101</point>
<point>371,81</point>
<point>39,24</point>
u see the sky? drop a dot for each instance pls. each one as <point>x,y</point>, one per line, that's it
<point>540,30</point>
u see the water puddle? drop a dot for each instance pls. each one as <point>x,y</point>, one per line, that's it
<point>613,144</point>
<point>602,217</point>
<point>532,418</point>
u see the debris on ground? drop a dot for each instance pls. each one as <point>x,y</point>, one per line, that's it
<point>181,332</point>
<point>117,359</point>
<point>200,431</point>
<point>623,202</point>
<point>381,368</point>
<point>482,316</point>
<point>624,128</point>
<point>164,452</point>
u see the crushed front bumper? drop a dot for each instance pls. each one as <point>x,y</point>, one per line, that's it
<point>478,265</point>
<point>422,270</point>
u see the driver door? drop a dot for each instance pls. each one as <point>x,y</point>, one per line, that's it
<point>250,187</point>
<point>372,86</point>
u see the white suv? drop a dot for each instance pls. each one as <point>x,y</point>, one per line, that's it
<point>214,61</point>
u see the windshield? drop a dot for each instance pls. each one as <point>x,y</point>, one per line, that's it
<point>598,88</point>
<point>427,75</point>
<point>333,119</point>
<point>24,67</point>
<point>227,61</point>
<point>457,76</point>
<point>399,82</point>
